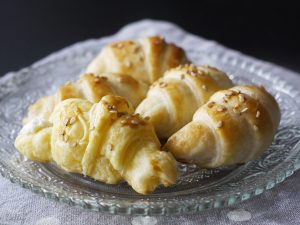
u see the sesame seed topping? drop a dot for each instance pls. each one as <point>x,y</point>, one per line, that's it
<point>204,87</point>
<point>103,78</point>
<point>128,64</point>
<point>109,147</point>
<point>210,104</point>
<point>229,93</point>
<point>182,76</point>
<point>255,127</point>
<point>220,124</point>
<point>120,45</point>
<point>73,144</point>
<point>162,84</point>
<point>123,121</point>
<point>66,121</point>
<point>257,114</point>
<point>225,99</point>
<point>66,138</point>
<point>134,122</point>
<point>111,107</point>
<point>147,118</point>
<point>97,79</point>
<point>72,120</point>
<point>244,110</point>
<point>221,108</point>
<point>241,98</point>
<point>236,106</point>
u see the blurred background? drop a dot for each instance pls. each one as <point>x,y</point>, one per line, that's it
<point>31,29</point>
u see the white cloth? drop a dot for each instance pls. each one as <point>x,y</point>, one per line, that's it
<point>276,206</point>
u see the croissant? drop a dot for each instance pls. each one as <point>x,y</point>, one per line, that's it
<point>174,98</point>
<point>235,126</point>
<point>144,59</point>
<point>101,140</point>
<point>92,88</point>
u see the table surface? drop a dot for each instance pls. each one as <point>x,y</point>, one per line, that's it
<point>279,205</point>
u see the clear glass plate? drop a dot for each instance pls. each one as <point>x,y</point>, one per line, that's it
<point>195,189</point>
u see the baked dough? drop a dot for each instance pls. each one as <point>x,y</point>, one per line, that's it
<point>104,141</point>
<point>92,88</point>
<point>235,126</point>
<point>145,59</point>
<point>174,98</point>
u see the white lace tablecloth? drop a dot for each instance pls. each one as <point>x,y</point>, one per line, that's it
<point>280,205</point>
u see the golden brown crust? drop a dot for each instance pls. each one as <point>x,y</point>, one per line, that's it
<point>144,59</point>
<point>173,99</point>
<point>242,120</point>
<point>92,88</point>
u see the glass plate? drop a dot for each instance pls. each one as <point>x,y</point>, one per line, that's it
<point>195,189</point>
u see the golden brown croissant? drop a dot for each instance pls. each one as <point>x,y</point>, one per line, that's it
<point>235,126</point>
<point>92,88</point>
<point>145,59</point>
<point>104,141</point>
<point>174,98</point>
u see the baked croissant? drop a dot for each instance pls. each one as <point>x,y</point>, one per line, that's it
<point>145,59</point>
<point>92,88</point>
<point>103,141</point>
<point>235,126</point>
<point>174,98</point>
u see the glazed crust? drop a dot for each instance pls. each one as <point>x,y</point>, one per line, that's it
<point>174,98</point>
<point>145,59</point>
<point>92,88</point>
<point>235,126</point>
<point>104,141</point>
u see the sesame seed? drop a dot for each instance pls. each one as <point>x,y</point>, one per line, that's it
<point>109,147</point>
<point>128,64</point>
<point>134,122</point>
<point>229,93</point>
<point>66,138</point>
<point>257,114</point>
<point>61,132</point>
<point>244,110</point>
<point>210,104</point>
<point>97,80</point>
<point>182,76</point>
<point>123,121</point>
<point>220,124</point>
<point>73,144</point>
<point>111,107</point>
<point>255,127</point>
<point>221,108</point>
<point>120,45</point>
<point>162,84</point>
<point>72,120</point>
<point>204,87</point>
<point>241,98</point>
<point>147,118</point>
<point>66,121</point>
<point>225,99</point>
<point>236,106</point>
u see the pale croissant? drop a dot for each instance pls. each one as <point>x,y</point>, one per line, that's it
<point>145,59</point>
<point>103,141</point>
<point>92,88</point>
<point>174,98</point>
<point>235,126</point>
